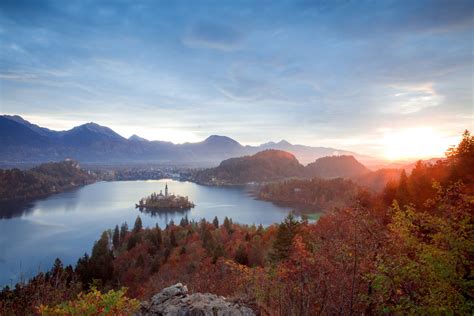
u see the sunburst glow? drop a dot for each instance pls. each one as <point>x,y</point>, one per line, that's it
<point>419,142</point>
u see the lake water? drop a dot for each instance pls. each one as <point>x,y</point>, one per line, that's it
<point>66,225</point>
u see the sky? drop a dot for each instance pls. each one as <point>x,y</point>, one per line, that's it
<point>387,78</point>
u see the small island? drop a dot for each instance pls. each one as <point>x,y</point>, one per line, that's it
<point>165,202</point>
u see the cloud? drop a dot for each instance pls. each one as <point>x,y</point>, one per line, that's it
<point>410,99</point>
<point>213,35</point>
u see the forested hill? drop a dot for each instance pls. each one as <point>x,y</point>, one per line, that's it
<point>42,180</point>
<point>336,167</point>
<point>267,165</point>
<point>271,165</point>
<point>311,194</point>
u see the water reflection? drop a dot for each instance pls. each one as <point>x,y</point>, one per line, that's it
<point>15,208</point>
<point>164,213</point>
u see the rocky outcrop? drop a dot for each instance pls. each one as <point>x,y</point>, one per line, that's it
<point>175,301</point>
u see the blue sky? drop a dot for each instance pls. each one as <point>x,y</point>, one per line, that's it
<point>346,74</point>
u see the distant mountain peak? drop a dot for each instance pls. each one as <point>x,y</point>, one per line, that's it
<point>16,118</point>
<point>283,143</point>
<point>137,138</point>
<point>43,131</point>
<point>93,126</point>
<point>218,139</point>
<point>96,128</point>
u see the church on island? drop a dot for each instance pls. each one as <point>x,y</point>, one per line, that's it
<point>161,196</point>
<point>164,201</point>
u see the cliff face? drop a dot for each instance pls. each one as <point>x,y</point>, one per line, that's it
<point>175,301</point>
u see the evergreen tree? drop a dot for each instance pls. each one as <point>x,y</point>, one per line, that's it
<point>173,241</point>
<point>156,238</point>
<point>228,225</point>
<point>167,253</point>
<point>123,231</point>
<point>215,222</point>
<point>184,221</point>
<point>83,271</point>
<point>101,259</point>
<point>461,158</point>
<point>284,238</point>
<point>138,225</point>
<point>218,252</point>
<point>57,267</point>
<point>207,239</point>
<point>241,255</point>
<point>133,241</point>
<point>116,237</point>
<point>260,229</point>
<point>403,191</point>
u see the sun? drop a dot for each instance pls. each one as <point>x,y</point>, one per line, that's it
<point>415,143</point>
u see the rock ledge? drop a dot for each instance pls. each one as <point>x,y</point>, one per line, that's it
<point>175,301</point>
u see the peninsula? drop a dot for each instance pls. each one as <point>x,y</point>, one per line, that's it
<point>165,202</point>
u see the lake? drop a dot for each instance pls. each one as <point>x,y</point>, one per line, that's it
<point>65,225</point>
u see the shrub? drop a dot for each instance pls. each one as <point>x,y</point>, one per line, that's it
<point>94,303</point>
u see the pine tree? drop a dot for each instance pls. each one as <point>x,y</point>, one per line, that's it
<point>228,225</point>
<point>101,259</point>
<point>215,222</point>
<point>184,221</point>
<point>207,239</point>
<point>403,191</point>
<point>461,158</point>
<point>156,237</point>
<point>260,229</point>
<point>138,225</point>
<point>173,239</point>
<point>57,267</point>
<point>284,238</point>
<point>133,241</point>
<point>241,255</point>
<point>123,231</point>
<point>83,271</point>
<point>116,237</point>
<point>218,252</point>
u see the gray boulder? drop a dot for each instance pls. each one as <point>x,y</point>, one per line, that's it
<point>175,301</point>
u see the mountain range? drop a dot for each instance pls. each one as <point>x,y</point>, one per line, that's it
<point>23,142</point>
